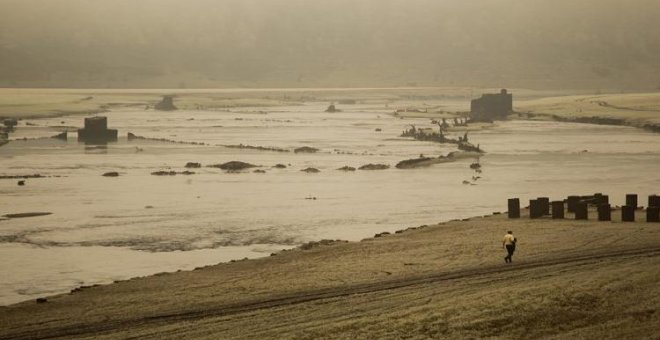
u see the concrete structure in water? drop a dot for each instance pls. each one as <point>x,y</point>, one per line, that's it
<point>582,211</point>
<point>572,202</point>
<point>557,210</point>
<point>535,209</point>
<point>166,104</point>
<point>653,214</point>
<point>604,212</point>
<point>544,202</point>
<point>580,206</point>
<point>631,200</point>
<point>96,131</point>
<point>514,207</point>
<point>628,213</point>
<point>491,107</point>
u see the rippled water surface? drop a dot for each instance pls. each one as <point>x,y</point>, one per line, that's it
<point>111,228</point>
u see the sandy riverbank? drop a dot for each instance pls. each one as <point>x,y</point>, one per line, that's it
<point>569,279</point>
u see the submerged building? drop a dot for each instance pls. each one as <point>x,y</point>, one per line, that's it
<point>491,107</point>
<point>166,104</point>
<point>96,131</point>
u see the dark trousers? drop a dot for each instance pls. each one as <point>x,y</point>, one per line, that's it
<point>510,248</point>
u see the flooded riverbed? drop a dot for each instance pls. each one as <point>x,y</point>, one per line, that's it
<point>112,228</point>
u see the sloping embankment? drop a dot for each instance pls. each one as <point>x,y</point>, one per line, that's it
<point>569,279</point>
<point>641,110</point>
<point>598,121</point>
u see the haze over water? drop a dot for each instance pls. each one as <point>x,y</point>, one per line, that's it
<point>104,229</point>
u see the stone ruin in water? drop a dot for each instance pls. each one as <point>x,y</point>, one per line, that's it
<point>166,104</point>
<point>491,107</point>
<point>96,131</point>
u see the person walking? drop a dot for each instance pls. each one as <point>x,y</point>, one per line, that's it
<point>509,243</point>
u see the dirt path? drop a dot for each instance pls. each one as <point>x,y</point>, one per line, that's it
<point>193,315</point>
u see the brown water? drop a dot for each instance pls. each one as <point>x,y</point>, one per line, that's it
<point>104,229</point>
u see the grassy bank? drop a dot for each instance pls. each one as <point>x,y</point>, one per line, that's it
<point>569,279</point>
<point>636,109</point>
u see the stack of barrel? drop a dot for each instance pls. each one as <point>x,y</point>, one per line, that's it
<point>579,206</point>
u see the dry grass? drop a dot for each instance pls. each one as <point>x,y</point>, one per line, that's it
<point>637,108</point>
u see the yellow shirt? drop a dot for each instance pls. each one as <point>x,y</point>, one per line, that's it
<point>508,239</point>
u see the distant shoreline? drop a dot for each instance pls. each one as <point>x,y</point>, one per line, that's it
<point>589,120</point>
<point>638,110</point>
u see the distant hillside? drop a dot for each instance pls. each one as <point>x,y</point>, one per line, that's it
<point>580,44</point>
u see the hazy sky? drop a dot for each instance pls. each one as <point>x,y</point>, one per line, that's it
<point>205,43</point>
